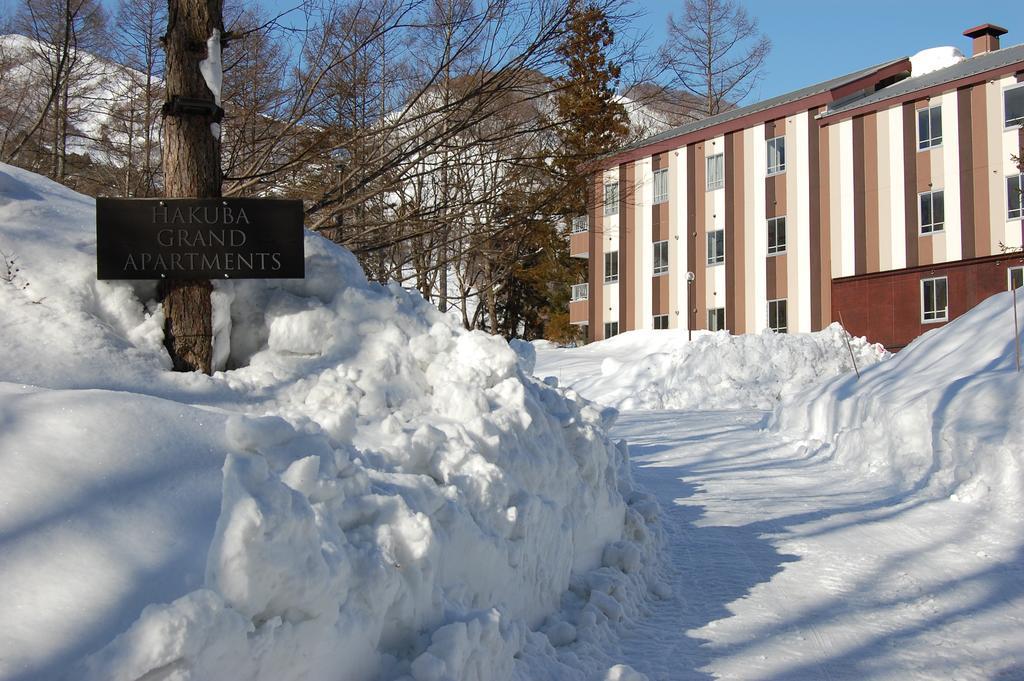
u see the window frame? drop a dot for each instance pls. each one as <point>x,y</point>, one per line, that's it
<point>608,326</point>
<point>719,183</point>
<point>715,326</point>
<point>663,197</point>
<point>932,142</point>
<point>779,303</point>
<point>611,207</point>
<point>778,250</point>
<point>662,317</point>
<point>1019,121</point>
<point>611,278</point>
<point>1009,276</point>
<point>585,287</point>
<point>658,272</point>
<point>779,168</point>
<point>714,260</point>
<point>1019,177</point>
<point>578,220</point>
<point>932,229</point>
<point>934,318</point>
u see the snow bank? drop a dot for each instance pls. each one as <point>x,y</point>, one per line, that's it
<point>369,489</point>
<point>662,370</point>
<point>943,415</point>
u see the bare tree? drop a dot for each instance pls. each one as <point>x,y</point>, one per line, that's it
<point>63,33</point>
<point>714,52</point>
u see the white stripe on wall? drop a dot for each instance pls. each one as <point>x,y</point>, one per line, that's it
<point>756,229</point>
<point>847,254</point>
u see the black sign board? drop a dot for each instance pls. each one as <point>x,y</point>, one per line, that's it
<point>199,239</point>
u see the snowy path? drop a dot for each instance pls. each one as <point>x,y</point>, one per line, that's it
<point>785,567</point>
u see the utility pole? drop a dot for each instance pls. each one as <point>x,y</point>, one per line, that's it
<point>192,116</point>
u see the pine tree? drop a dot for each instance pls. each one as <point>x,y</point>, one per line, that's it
<point>592,122</point>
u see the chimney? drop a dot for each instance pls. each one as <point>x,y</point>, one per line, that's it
<point>986,38</point>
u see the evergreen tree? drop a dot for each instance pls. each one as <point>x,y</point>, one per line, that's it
<point>591,121</point>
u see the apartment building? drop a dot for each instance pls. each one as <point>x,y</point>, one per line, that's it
<point>887,198</point>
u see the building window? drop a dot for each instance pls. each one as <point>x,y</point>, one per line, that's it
<point>660,257</point>
<point>1015,277</point>
<point>716,319</point>
<point>580,292</point>
<point>1014,186</point>
<point>611,329</point>
<point>776,155</point>
<point>716,247</point>
<point>934,303</point>
<point>929,127</point>
<point>611,267</point>
<point>660,321</point>
<point>715,171</point>
<point>661,186</point>
<point>1013,106</point>
<point>776,235</point>
<point>777,320</point>
<point>611,198</point>
<point>932,212</point>
<point>580,224</point>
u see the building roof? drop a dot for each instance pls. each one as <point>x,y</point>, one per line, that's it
<point>969,67</point>
<point>757,107</point>
<point>835,89</point>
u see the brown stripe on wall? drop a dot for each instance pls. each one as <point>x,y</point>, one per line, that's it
<point>659,221</point>
<point>872,229</point>
<point>628,237</point>
<point>735,295</point>
<point>697,172</point>
<point>659,291</point>
<point>776,277</point>
<point>966,163</point>
<point>595,302</point>
<point>818,196</point>
<point>659,161</point>
<point>979,182</point>
<point>910,183</point>
<point>775,195</point>
<point>774,128</point>
<point>859,203</point>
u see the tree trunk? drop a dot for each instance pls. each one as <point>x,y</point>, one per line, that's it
<point>191,170</point>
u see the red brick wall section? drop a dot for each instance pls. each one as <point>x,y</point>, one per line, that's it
<point>886,307</point>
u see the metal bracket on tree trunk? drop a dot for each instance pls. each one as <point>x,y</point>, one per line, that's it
<point>190,106</point>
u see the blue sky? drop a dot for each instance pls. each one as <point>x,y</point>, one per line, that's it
<point>815,41</point>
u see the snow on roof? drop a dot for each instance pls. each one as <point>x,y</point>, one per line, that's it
<point>971,66</point>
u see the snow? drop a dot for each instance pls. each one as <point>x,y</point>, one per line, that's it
<point>933,59</point>
<point>860,528</point>
<point>936,417</point>
<point>213,73</point>
<point>663,370</point>
<point>365,486</point>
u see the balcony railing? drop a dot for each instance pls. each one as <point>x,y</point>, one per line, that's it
<point>580,224</point>
<point>580,292</point>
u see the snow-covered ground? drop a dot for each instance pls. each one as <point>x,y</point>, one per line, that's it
<point>365,491</point>
<point>369,492</point>
<point>866,528</point>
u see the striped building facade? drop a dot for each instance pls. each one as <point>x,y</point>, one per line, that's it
<point>882,199</point>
